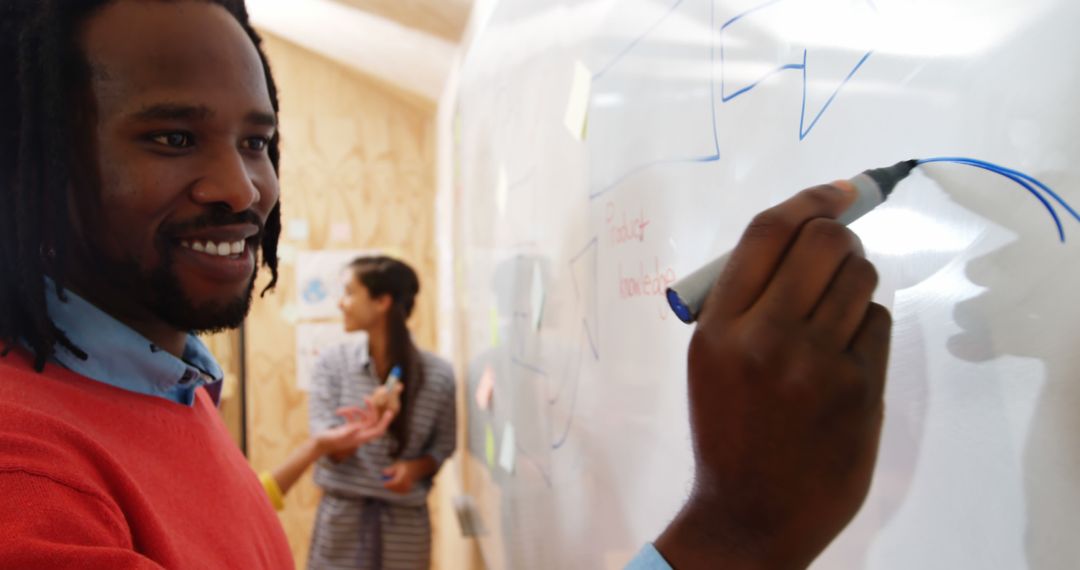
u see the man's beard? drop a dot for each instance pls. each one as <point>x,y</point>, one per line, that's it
<point>169,303</point>
<point>159,292</point>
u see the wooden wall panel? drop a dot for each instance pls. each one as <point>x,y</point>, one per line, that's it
<point>353,154</point>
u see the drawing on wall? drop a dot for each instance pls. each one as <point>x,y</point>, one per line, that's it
<point>320,279</point>
<point>700,113</point>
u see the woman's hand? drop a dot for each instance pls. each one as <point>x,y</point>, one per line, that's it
<point>362,426</point>
<point>387,400</point>
<point>401,476</point>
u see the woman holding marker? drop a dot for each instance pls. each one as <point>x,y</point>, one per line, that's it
<point>373,513</point>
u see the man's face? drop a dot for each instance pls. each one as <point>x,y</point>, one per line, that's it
<point>183,122</point>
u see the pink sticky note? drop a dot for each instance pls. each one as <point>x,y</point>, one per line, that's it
<point>485,389</point>
<point>340,232</point>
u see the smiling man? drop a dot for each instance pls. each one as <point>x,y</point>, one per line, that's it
<point>139,192</point>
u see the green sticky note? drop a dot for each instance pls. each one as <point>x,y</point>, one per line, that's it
<point>490,446</point>
<point>457,127</point>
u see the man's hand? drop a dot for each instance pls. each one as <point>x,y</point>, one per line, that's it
<point>786,375</point>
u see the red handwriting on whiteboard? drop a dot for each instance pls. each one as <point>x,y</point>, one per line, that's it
<point>625,228</point>
<point>646,281</point>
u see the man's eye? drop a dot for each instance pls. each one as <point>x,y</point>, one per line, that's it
<point>256,143</point>
<point>173,140</point>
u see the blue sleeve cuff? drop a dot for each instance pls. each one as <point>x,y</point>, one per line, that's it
<point>648,559</point>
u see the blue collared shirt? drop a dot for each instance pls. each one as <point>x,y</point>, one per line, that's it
<point>648,559</point>
<point>121,357</point>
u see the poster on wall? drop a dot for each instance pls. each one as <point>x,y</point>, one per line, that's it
<point>320,276</point>
<point>314,338</point>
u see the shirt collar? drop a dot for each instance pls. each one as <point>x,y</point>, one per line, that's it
<point>119,356</point>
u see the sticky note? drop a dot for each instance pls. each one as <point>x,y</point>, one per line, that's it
<point>509,448</point>
<point>493,321</point>
<point>286,253</point>
<point>489,446</point>
<point>485,388</point>
<point>298,229</point>
<point>502,190</point>
<point>577,108</point>
<point>459,274</point>
<point>537,298</point>
<point>340,232</point>
<point>289,313</point>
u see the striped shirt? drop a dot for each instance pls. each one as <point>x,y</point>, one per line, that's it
<point>345,374</point>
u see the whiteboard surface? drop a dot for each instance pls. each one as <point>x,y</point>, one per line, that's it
<point>700,114</point>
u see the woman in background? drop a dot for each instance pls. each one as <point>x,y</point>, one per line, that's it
<point>373,514</point>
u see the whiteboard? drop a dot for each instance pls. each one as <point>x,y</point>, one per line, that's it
<point>700,114</point>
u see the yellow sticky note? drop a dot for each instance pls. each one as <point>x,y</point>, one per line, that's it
<point>494,322</point>
<point>577,108</point>
<point>394,251</point>
<point>457,127</point>
<point>502,190</point>
<point>489,446</point>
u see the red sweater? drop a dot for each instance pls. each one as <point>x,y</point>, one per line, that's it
<point>97,477</point>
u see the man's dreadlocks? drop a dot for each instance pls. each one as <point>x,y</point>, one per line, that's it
<point>42,111</point>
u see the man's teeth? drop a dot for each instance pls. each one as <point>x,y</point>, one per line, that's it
<point>224,249</point>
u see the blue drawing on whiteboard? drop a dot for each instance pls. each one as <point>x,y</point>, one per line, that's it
<point>803,129</point>
<point>562,385</point>
<point>314,292</point>
<point>720,60</point>
<point>562,375</point>
<point>630,47</point>
<point>1026,181</point>
<point>714,153</point>
<point>583,270</point>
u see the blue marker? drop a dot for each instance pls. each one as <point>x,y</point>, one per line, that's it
<point>872,186</point>
<point>393,379</point>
